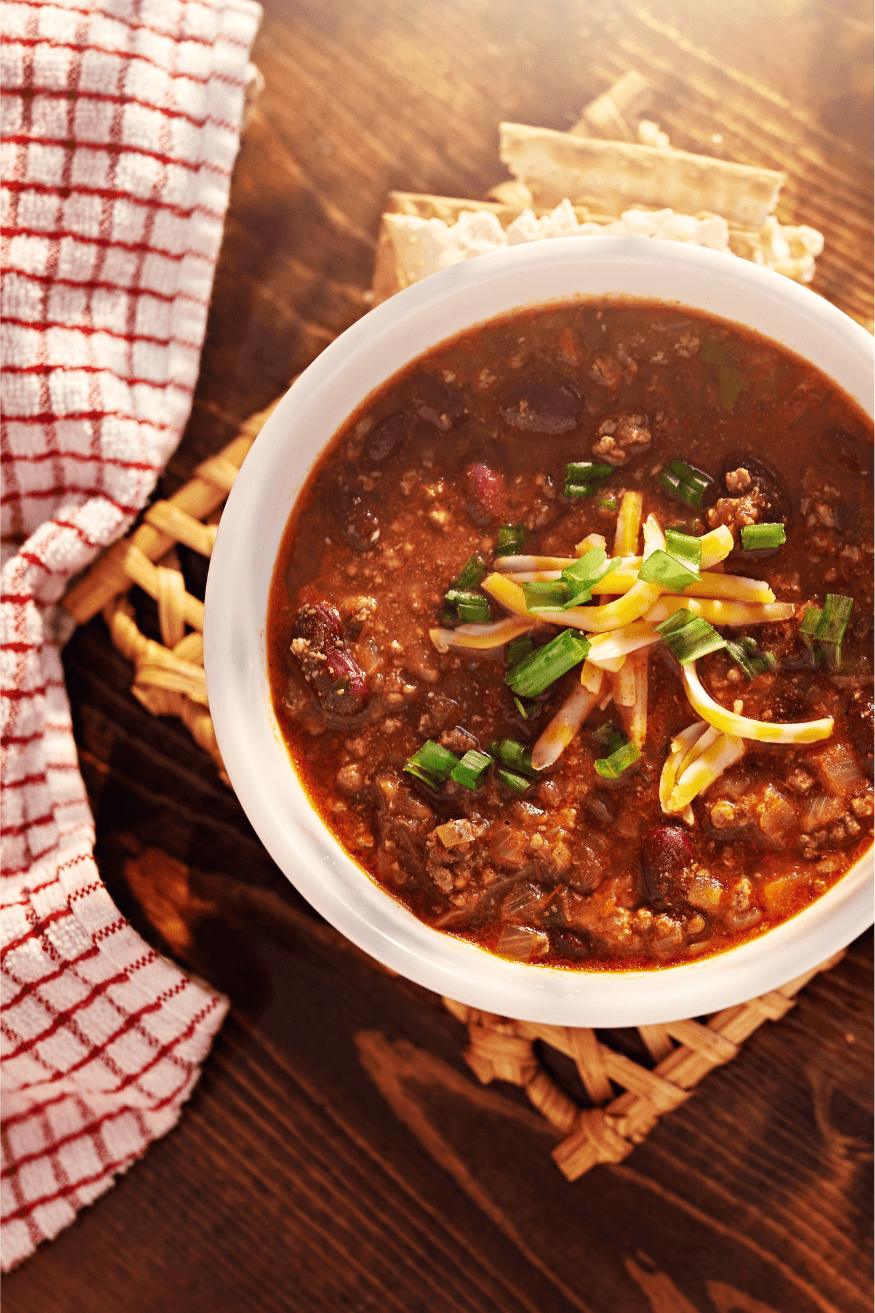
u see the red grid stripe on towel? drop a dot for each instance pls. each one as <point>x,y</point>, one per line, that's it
<point>121,124</point>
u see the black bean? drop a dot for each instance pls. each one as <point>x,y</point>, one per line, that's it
<point>539,405</point>
<point>436,403</point>
<point>386,437</point>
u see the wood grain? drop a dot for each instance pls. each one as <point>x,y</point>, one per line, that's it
<point>337,1153</point>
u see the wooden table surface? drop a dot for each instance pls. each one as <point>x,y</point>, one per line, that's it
<point>337,1153</point>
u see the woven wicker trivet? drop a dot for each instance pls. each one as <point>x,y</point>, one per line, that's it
<point>607,1130</point>
<point>169,680</point>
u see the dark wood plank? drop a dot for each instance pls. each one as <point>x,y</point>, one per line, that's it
<point>337,1152</point>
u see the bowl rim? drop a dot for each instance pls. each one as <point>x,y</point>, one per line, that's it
<point>256,512</point>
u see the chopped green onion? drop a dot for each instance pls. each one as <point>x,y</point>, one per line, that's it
<point>608,504</point>
<point>671,574</point>
<point>610,738</point>
<point>518,648</point>
<point>831,627</point>
<point>510,539</point>
<point>521,708</point>
<point>432,764</point>
<point>473,572</point>
<point>752,659</point>
<point>584,574</point>
<point>472,769</point>
<point>513,781</point>
<point>510,752</point>
<point>808,629</point>
<point>545,665</point>
<point>754,537</point>
<point>689,636</point>
<point>472,608</point>
<point>684,547</point>
<point>549,596</point>
<point>582,477</point>
<point>687,527</point>
<point>612,767</point>
<point>685,482</point>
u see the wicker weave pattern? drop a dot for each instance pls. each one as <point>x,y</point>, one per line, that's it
<point>684,1053</point>
<point>168,676</point>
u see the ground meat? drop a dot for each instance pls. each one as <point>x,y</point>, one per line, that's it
<point>749,507</point>
<point>621,436</point>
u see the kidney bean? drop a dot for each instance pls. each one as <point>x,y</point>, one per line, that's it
<point>318,644</point>
<point>486,488</point>
<point>386,437</point>
<point>664,855</point>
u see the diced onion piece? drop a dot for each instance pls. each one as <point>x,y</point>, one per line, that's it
<point>591,676</point>
<point>480,637</point>
<point>505,591</point>
<point>677,754</point>
<point>719,611</point>
<point>806,731</point>
<point>510,564</point>
<point>628,638</point>
<point>702,772</point>
<point>628,524</point>
<point>563,727</point>
<point>716,546</point>
<point>521,943</point>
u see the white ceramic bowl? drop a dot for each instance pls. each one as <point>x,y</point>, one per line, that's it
<point>258,508</point>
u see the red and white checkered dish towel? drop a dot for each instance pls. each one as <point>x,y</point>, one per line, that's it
<point>121,122</point>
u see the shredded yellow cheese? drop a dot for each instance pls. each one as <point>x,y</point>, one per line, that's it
<point>563,727</point>
<point>806,731</point>
<point>701,773</point>
<point>677,754</point>
<point>718,611</point>
<point>479,637</point>
<point>628,524</point>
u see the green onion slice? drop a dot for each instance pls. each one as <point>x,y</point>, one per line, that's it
<point>684,547</point>
<point>473,572</point>
<point>512,753</point>
<point>513,781</point>
<point>808,628</point>
<point>521,708</point>
<point>689,636</point>
<point>755,537</point>
<point>671,574</point>
<point>612,767</point>
<point>518,648</point>
<point>831,627</point>
<point>753,660</point>
<point>471,770</point>
<point>472,608</point>
<point>583,477</point>
<point>608,737</point>
<point>545,665</point>
<point>546,596</point>
<point>685,482</point>
<point>510,539</point>
<point>584,574</point>
<point>432,764</point>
